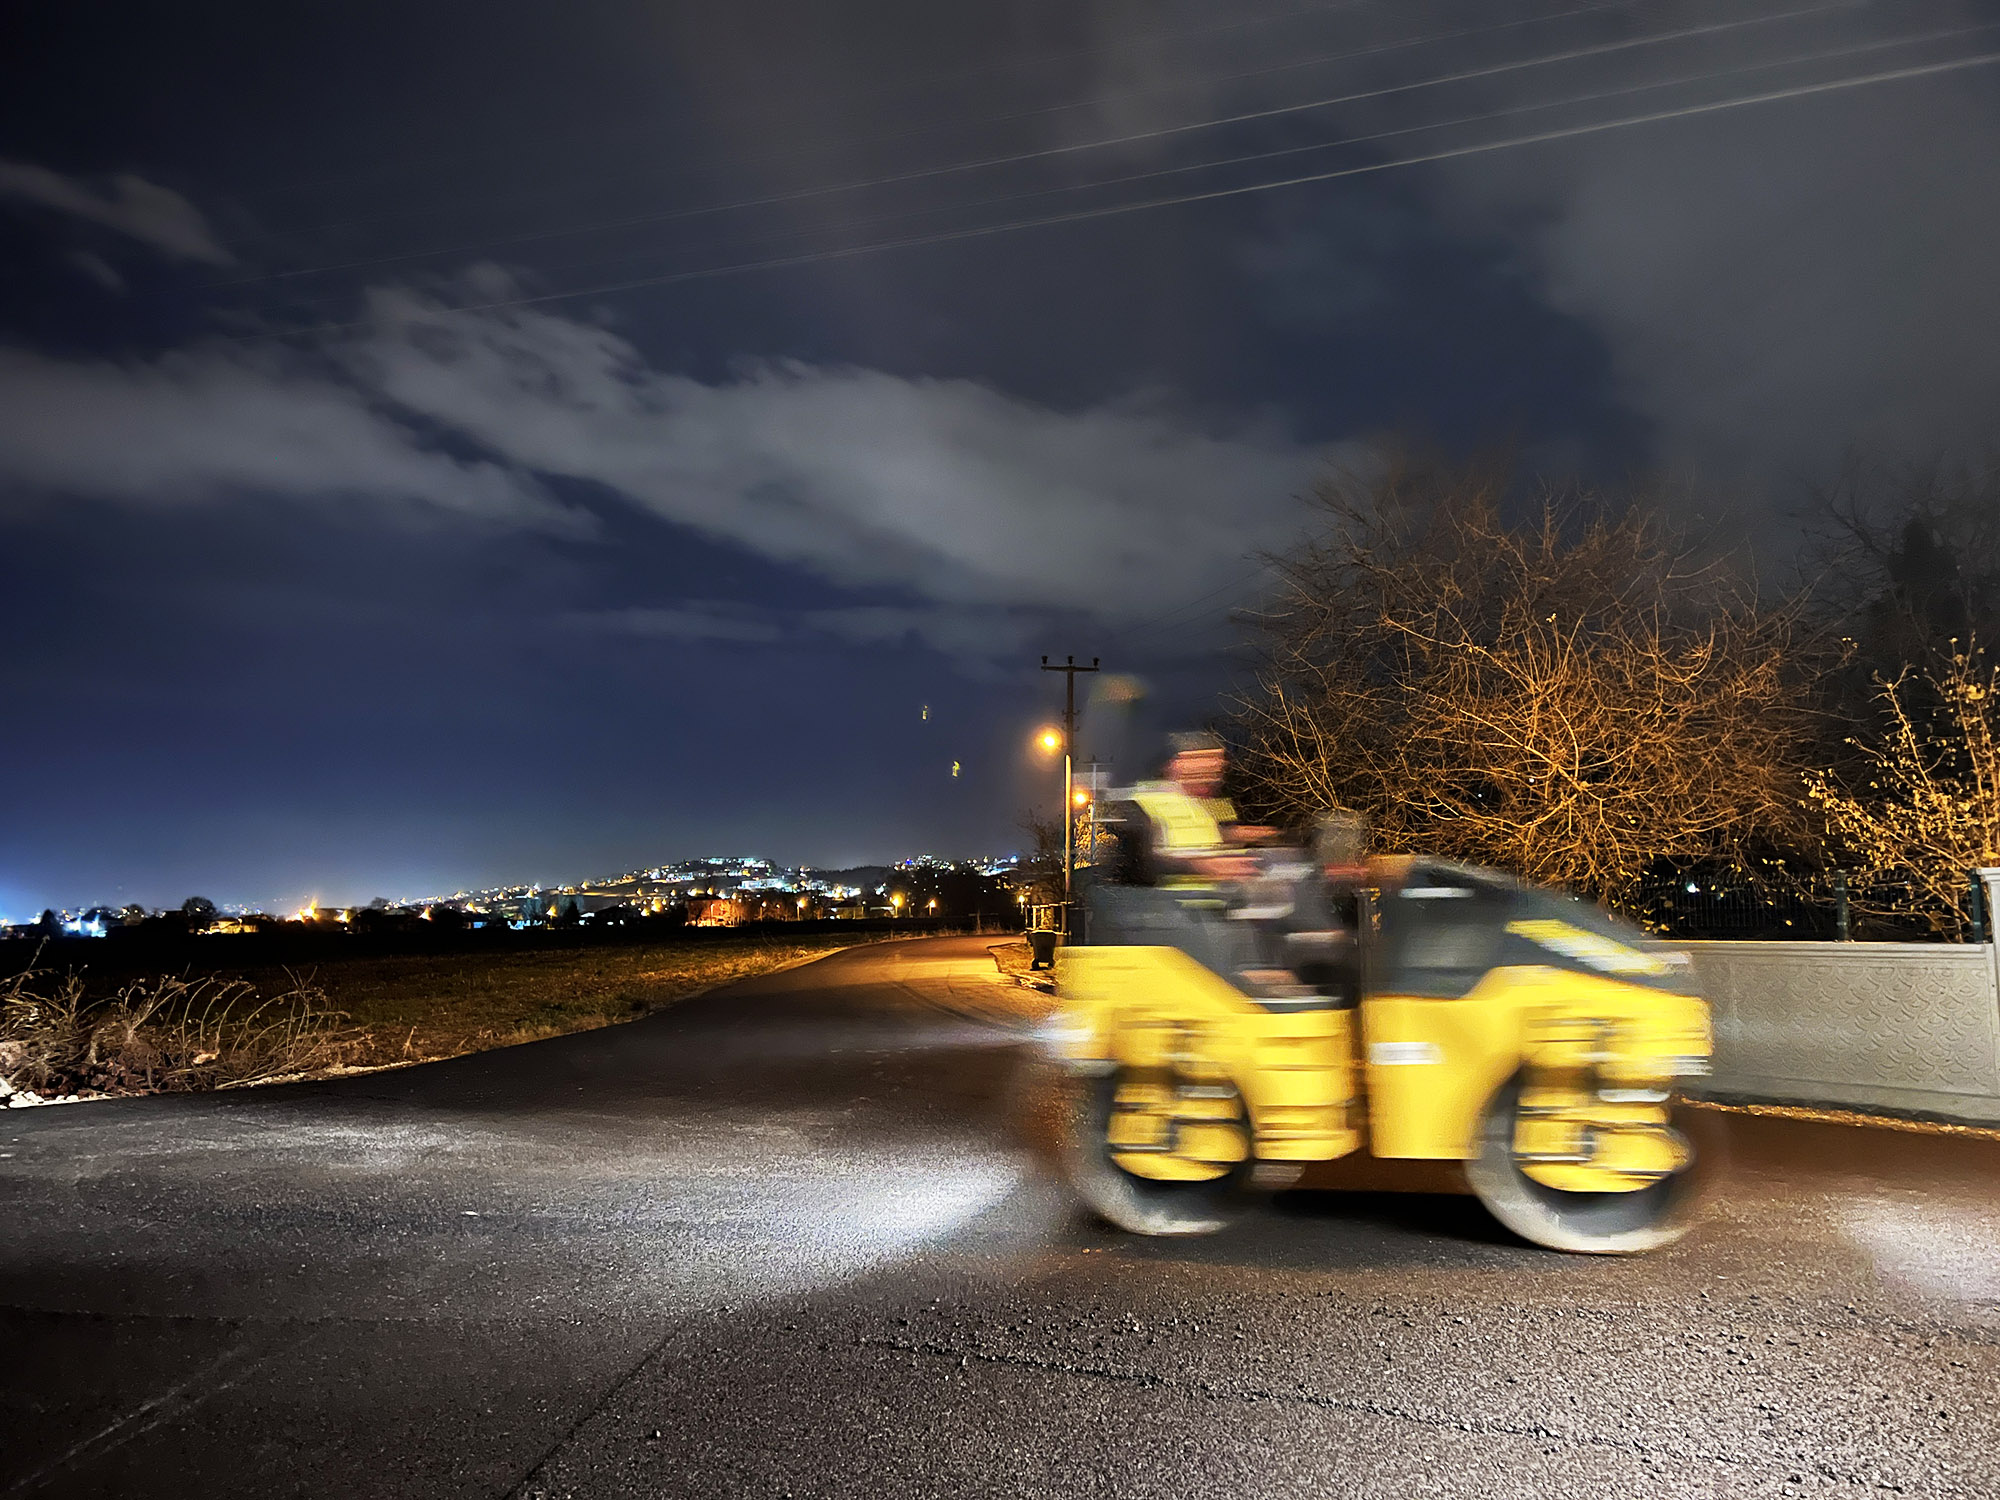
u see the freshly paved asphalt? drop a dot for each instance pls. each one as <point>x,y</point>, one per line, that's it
<point>782,1240</point>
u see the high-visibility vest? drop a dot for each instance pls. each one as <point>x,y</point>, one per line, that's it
<point>1182,824</point>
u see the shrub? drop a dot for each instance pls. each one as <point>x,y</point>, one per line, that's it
<point>163,1034</point>
<point>1929,810</point>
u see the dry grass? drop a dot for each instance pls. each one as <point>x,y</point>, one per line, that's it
<point>1015,960</point>
<point>160,1035</point>
<point>215,1031</point>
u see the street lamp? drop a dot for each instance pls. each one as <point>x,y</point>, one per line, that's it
<point>1052,740</point>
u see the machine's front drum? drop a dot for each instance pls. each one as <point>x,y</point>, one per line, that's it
<point>1585,1223</point>
<point>1136,1204</point>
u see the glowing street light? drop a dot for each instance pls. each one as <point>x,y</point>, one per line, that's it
<point>1049,741</point>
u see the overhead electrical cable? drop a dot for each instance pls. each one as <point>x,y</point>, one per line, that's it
<point>1044,153</point>
<point>1369,138</point>
<point>1033,60</point>
<point>977,122</point>
<point>1075,216</point>
<point>1293,65</point>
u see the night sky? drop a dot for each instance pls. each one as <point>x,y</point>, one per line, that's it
<point>443,445</point>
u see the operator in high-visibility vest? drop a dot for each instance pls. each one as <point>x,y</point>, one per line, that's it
<point>1185,832</point>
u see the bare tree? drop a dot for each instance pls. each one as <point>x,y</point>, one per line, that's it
<point>1041,874</point>
<point>1573,698</point>
<point>1910,554</point>
<point>1929,810</point>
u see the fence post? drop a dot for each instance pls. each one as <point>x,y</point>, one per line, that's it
<point>1987,879</point>
<point>1842,926</point>
<point>1980,898</point>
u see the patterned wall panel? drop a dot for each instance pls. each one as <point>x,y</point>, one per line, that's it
<point>1857,1016</point>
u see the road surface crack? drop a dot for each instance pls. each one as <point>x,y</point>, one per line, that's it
<point>1244,1394</point>
<point>233,1366</point>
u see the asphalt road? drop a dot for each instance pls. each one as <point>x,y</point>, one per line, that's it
<point>782,1241</point>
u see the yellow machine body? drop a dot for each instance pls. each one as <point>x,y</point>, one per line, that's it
<point>1208,1077</point>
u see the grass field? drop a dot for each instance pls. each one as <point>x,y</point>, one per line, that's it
<point>227,1027</point>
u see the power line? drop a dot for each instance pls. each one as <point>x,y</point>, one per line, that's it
<point>1424,39</point>
<point>1217,163</point>
<point>1095,101</point>
<point>935,127</point>
<point>1076,216</point>
<point>1044,153</point>
<point>1041,59</point>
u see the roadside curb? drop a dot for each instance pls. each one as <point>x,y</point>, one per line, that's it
<point>1041,983</point>
<point>1913,1124</point>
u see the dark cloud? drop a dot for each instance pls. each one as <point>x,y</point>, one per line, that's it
<point>951,490</point>
<point>217,422</point>
<point>948,490</point>
<point>155,216</point>
<point>98,269</point>
<point>696,620</point>
<point>1772,283</point>
<point>1782,283</point>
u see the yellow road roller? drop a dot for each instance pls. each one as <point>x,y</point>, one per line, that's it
<point>1428,1012</point>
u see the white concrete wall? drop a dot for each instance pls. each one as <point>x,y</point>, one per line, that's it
<point>1909,1027</point>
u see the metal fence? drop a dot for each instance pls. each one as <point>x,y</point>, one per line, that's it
<point>1726,904</point>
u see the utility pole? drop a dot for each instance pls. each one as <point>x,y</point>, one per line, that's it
<point>1069,669</point>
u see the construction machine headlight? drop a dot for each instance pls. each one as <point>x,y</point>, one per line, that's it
<point>1070,1045</point>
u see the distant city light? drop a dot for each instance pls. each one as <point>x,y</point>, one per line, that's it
<point>726,890</point>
